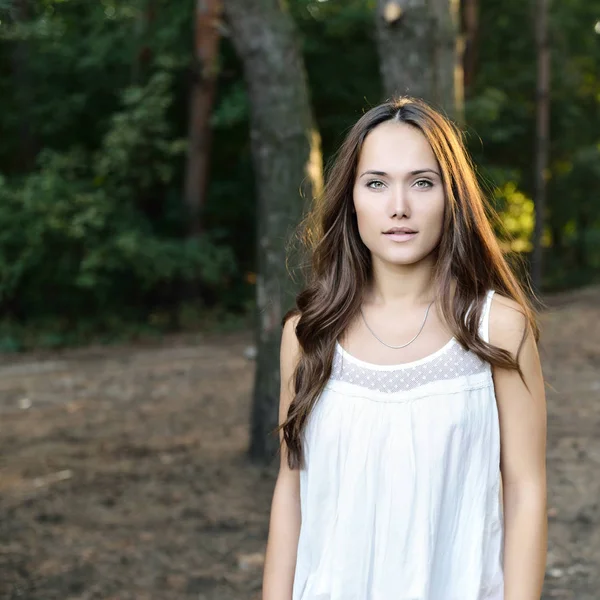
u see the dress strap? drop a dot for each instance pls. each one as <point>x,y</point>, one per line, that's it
<point>485,317</point>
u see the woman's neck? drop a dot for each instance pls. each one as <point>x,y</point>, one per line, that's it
<point>393,284</point>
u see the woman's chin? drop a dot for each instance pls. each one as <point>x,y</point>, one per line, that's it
<point>406,259</point>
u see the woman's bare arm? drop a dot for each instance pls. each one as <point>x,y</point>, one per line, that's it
<point>522,410</point>
<point>284,527</point>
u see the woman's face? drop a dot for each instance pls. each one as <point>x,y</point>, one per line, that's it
<point>398,194</point>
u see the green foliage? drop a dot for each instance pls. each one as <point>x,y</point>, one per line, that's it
<point>517,216</point>
<point>501,110</point>
<point>94,103</point>
<point>72,241</point>
<point>342,63</point>
<point>138,152</point>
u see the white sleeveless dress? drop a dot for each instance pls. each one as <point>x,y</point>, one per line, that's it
<point>400,493</point>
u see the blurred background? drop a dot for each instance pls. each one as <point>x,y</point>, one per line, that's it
<point>155,157</point>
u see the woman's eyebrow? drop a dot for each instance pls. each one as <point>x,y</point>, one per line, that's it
<point>419,171</point>
<point>384,174</point>
<point>378,173</point>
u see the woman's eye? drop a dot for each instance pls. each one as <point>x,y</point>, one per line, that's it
<point>375,184</point>
<point>426,183</point>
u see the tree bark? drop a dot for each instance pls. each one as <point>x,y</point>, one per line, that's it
<point>28,146</point>
<point>542,142</point>
<point>288,167</point>
<point>470,41</point>
<point>419,51</point>
<point>207,36</point>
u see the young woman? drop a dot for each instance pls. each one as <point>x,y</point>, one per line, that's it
<point>412,401</point>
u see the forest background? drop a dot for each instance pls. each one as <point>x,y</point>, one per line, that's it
<point>95,97</point>
<point>154,157</point>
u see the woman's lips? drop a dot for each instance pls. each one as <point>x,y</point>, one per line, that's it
<point>401,237</point>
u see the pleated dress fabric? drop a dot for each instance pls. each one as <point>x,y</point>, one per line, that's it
<point>400,492</point>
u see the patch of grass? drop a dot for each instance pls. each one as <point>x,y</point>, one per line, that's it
<point>112,329</point>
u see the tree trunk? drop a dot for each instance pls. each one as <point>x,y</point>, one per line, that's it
<point>28,145</point>
<point>287,156</point>
<point>207,36</point>
<point>143,31</point>
<point>470,43</point>
<point>581,255</point>
<point>542,138</point>
<point>419,51</point>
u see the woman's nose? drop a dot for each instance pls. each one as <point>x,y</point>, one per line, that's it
<point>399,202</point>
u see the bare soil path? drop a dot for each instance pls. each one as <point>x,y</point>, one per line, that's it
<point>123,474</point>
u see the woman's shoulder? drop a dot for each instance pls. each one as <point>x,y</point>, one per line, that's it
<point>290,321</point>
<point>508,322</point>
<point>290,347</point>
<point>506,311</point>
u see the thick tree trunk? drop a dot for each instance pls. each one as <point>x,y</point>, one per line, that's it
<point>470,41</point>
<point>419,51</point>
<point>287,157</point>
<point>542,142</point>
<point>207,36</point>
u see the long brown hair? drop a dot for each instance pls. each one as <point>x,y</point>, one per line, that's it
<point>340,264</point>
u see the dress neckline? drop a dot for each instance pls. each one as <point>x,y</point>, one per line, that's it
<point>407,365</point>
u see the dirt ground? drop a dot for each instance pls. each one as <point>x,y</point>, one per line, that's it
<point>123,471</point>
